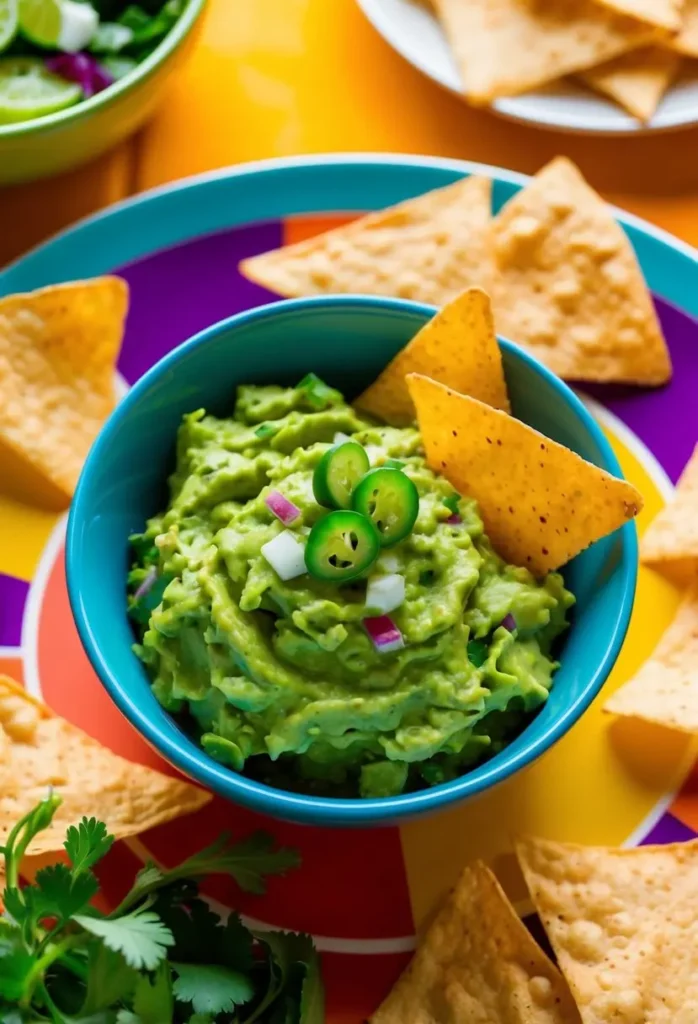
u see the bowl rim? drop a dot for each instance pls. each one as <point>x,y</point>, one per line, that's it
<point>299,807</point>
<point>84,108</point>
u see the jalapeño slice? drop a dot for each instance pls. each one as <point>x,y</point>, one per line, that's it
<point>338,472</point>
<point>341,546</point>
<point>390,500</point>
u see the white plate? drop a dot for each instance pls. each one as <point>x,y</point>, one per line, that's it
<point>411,28</point>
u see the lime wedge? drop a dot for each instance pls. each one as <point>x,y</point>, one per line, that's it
<point>28,90</point>
<point>59,24</point>
<point>40,21</point>
<point>9,20</point>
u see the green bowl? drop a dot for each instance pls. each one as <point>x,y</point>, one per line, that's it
<point>57,142</point>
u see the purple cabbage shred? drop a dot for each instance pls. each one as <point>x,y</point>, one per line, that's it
<point>81,68</point>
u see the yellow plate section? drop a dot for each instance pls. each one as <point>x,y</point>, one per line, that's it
<point>597,785</point>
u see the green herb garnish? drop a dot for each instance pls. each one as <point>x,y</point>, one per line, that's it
<point>477,653</point>
<point>162,956</point>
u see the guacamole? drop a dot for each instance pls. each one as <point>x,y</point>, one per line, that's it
<point>284,678</point>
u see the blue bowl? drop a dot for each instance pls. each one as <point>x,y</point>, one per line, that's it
<point>347,341</point>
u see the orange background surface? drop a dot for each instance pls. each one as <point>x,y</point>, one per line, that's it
<point>279,77</point>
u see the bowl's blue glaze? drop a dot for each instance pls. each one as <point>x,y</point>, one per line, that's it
<point>346,341</point>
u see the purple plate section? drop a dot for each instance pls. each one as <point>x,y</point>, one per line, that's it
<point>666,419</point>
<point>13,595</point>
<point>668,830</point>
<point>177,292</point>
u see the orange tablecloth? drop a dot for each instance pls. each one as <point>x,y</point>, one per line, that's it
<point>279,77</point>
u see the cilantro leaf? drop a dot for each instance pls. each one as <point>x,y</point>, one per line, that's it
<point>248,861</point>
<point>289,952</point>
<point>140,936</point>
<point>109,979</point>
<point>15,969</point>
<point>153,1002</point>
<point>87,843</point>
<point>211,988</point>
<point>237,945</point>
<point>57,893</point>
<point>312,1010</point>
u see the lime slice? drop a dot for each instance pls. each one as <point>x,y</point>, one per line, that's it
<point>59,24</point>
<point>9,20</point>
<point>28,90</point>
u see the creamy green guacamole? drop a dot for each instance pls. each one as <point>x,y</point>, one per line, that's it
<point>280,678</point>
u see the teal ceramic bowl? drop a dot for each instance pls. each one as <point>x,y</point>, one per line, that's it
<point>347,341</point>
<point>57,142</point>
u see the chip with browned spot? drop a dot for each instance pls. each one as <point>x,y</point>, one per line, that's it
<point>458,348</point>
<point>428,248</point>
<point>38,750</point>
<point>478,963</point>
<point>541,503</point>
<point>666,14</point>
<point>623,924</point>
<point>570,288</point>
<point>665,689</point>
<point>58,352</point>
<point>670,544</point>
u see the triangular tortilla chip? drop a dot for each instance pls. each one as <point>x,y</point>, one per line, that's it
<point>541,503</point>
<point>670,544</point>
<point>478,962</point>
<point>458,348</point>
<point>665,690</point>
<point>428,248</point>
<point>571,290</point>
<point>39,749</point>
<point>665,14</point>
<point>614,917</point>
<point>686,39</point>
<point>637,80</point>
<point>58,351</point>
<point>505,47</point>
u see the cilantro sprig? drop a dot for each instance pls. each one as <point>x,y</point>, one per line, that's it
<point>163,956</point>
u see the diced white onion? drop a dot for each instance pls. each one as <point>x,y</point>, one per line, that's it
<point>340,438</point>
<point>78,25</point>
<point>286,555</point>
<point>388,562</point>
<point>385,593</point>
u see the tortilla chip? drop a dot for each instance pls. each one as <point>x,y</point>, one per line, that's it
<point>686,39</point>
<point>637,80</point>
<point>571,290</point>
<point>540,502</point>
<point>58,351</point>
<point>666,14</point>
<point>665,690</point>
<point>477,962</point>
<point>671,542</point>
<point>505,47</point>
<point>458,347</point>
<point>614,918</point>
<point>41,749</point>
<point>428,248</point>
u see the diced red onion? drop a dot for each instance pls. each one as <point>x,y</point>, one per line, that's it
<point>385,593</point>
<point>453,520</point>
<point>286,555</point>
<point>282,508</point>
<point>384,633</point>
<point>147,583</point>
<point>82,68</point>
<point>509,622</point>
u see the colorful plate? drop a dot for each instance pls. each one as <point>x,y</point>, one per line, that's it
<point>412,28</point>
<point>362,893</point>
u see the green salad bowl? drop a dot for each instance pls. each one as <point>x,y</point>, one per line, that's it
<point>57,142</point>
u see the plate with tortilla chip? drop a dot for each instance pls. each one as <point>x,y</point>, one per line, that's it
<point>581,66</point>
<point>615,779</point>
